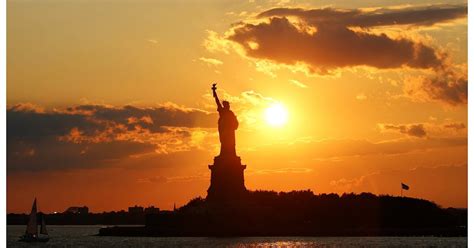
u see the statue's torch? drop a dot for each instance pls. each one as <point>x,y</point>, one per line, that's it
<point>214,88</point>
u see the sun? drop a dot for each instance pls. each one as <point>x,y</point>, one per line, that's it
<point>276,115</point>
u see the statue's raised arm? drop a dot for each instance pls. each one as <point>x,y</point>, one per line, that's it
<point>219,105</point>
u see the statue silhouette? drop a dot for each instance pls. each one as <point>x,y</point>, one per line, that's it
<point>227,172</point>
<point>227,125</point>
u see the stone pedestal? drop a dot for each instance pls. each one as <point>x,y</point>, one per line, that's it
<point>227,179</point>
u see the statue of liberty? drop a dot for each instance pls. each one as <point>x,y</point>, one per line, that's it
<point>227,172</point>
<point>227,125</point>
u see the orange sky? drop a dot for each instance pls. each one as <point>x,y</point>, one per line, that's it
<point>109,103</point>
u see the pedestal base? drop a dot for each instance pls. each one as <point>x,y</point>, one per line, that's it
<point>227,179</point>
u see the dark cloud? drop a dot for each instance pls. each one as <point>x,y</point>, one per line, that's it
<point>416,16</point>
<point>34,125</point>
<point>324,39</point>
<point>328,39</point>
<point>331,47</point>
<point>95,119</point>
<point>416,130</point>
<point>456,126</point>
<point>447,86</point>
<point>49,153</point>
<point>152,118</point>
<point>95,135</point>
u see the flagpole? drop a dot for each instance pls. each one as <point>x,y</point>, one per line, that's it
<point>404,187</point>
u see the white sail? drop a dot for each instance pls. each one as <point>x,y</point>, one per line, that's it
<point>43,226</point>
<point>32,228</point>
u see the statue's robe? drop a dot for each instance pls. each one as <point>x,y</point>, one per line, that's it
<point>228,123</point>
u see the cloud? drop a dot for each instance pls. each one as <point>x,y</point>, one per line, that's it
<point>27,107</point>
<point>216,43</point>
<point>50,154</point>
<point>421,130</point>
<point>447,85</point>
<point>298,83</point>
<point>92,135</point>
<point>97,123</point>
<point>413,16</point>
<point>322,41</point>
<point>95,135</point>
<point>456,126</point>
<point>152,41</point>
<point>326,39</point>
<point>331,47</point>
<point>211,61</point>
<point>348,184</point>
<point>416,130</point>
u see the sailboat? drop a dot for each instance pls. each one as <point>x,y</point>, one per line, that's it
<point>31,234</point>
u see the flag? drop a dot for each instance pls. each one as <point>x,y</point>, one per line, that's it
<point>405,187</point>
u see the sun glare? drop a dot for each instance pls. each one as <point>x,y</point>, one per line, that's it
<point>276,115</point>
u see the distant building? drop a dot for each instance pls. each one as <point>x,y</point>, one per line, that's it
<point>152,210</point>
<point>135,210</point>
<point>77,210</point>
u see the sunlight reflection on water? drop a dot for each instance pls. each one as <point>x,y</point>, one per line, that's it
<point>82,236</point>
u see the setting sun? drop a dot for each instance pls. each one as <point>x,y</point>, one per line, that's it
<point>276,115</point>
